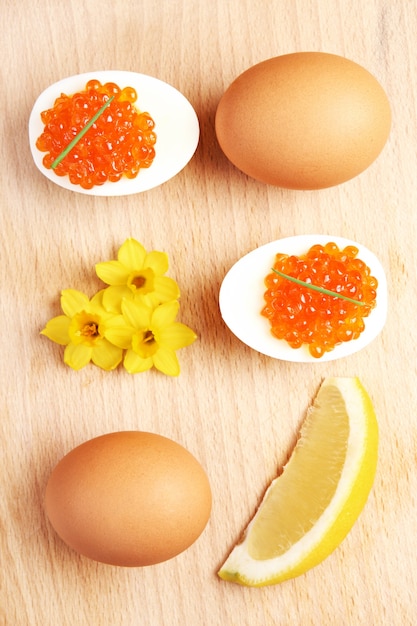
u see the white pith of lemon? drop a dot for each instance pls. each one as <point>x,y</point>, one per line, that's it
<point>308,510</point>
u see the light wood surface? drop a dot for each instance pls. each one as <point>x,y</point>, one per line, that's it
<point>235,409</point>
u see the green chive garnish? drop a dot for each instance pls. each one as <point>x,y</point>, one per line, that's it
<point>316,288</point>
<point>81,134</point>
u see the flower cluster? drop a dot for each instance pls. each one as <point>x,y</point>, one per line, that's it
<point>132,320</point>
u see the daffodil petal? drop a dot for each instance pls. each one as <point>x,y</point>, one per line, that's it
<point>157,261</point>
<point>166,362</point>
<point>176,336</point>
<point>57,330</point>
<point>132,254</point>
<point>166,288</point>
<point>106,355</point>
<point>165,314</point>
<point>134,364</point>
<point>77,356</point>
<point>119,333</point>
<point>96,301</point>
<point>136,314</point>
<point>73,301</point>
<point>112,272</point>
<point>113,296</point>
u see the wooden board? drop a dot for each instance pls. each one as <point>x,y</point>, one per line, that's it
<point>236,410</point>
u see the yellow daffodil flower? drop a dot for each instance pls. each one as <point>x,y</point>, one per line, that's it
<point>82,330</point>
<point>150,335</point>
<point>137,274</point>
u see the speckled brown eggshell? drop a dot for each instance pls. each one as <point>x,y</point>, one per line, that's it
<point>306,120</point>
<point>128,498</point>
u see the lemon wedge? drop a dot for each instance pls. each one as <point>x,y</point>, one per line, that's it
<point>308,510</point>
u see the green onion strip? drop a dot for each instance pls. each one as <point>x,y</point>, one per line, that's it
<point>81,134</point>
<point>316,288</point>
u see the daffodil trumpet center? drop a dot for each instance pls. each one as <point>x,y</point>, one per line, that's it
<point>142,281</point>
<point>85,329</point>
<point>144,343</point>
<point>90,330</point>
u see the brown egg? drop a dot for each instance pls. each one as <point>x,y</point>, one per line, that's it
<point>128,498</point>
<point>306,120</point>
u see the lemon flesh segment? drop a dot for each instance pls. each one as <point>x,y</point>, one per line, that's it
<point>309,509</point>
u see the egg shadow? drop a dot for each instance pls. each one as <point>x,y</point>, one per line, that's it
<point>224,179</point>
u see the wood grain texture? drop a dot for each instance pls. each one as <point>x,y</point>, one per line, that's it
<point>236,410</point>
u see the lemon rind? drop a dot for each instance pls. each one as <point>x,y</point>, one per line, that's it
<point>338,518</point>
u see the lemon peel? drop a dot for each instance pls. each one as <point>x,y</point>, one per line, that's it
<point>309,509</point>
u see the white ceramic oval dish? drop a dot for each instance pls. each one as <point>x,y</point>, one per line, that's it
<point>241,300</point>
<point>176,127</point>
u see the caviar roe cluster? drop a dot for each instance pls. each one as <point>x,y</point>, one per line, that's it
<point>119,143</point>
<point>300,315</point>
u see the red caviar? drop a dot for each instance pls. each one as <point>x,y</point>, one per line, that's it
<point>119,143</point>
<point>300,315</point>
